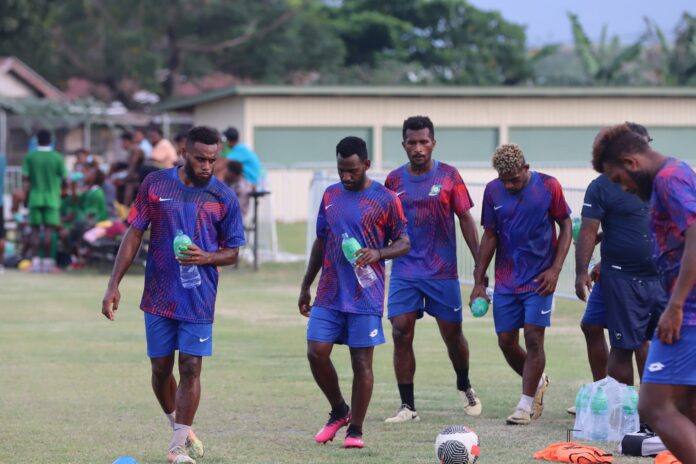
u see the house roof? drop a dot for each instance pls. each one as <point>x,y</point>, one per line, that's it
<point>423,91</point>
<point>21,71</point>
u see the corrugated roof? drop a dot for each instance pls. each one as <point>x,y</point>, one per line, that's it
<point>421,91</point>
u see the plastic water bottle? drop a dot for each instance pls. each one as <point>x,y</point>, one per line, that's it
<point>479,307</point>
<point>582,399</point>
<point>630,422</point>
<point>599,407</point>
<point>365,274</point>
<point>188,273</point>
<point>577,222</point>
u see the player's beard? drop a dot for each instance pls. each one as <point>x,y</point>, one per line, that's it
<point>644,182</point>
<point>197,181</point>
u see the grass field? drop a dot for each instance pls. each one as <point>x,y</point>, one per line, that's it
<point>76,388</point>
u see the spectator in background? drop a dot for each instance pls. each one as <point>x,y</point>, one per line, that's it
<point>142,142</point>
<point>81,159</point>
<point>44,173</point>
<point>163,152</point>
<point>252,168</point>
<point>180,143</point>
<point>240,186</point>
<point>3,164</point>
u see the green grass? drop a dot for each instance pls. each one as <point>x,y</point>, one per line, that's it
<point>292,237</point>
<point>76,387</point>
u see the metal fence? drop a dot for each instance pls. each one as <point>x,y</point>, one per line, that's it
<point>574,198</point>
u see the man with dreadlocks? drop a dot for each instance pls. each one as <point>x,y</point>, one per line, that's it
<point>519,215</point>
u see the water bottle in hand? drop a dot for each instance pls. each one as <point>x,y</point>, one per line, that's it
<point>365,274</point>
<point>188,273</point>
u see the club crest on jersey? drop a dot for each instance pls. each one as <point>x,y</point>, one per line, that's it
<point>435,190</point>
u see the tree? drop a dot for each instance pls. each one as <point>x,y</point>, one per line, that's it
<point>607,62</point>
<point>677,63</point>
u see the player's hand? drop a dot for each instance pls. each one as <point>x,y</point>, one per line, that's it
<point>194,255</point>
<point>547,281</point>
<point>478,291</point>
<point>303,302</point>
<point>669,326</point>
<point>367,256</point>
<point>110,302</point>
<point>583,285</point>
<point>596,271</point>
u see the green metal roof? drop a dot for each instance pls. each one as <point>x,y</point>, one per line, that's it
<point>423,91</point>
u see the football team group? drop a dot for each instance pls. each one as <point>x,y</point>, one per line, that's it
<point>642,291</point>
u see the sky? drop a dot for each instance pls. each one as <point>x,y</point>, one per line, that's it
<point>547,21</point>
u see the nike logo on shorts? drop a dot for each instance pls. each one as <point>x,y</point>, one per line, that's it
<point>203,339</point>
<point>545,312</point>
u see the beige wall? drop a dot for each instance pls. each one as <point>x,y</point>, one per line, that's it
<point>13,88</point>
<point>222,114</point>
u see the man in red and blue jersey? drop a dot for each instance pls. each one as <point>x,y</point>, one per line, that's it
<point>343,311</point>
<point>426,280</point>
<point>192,200</point>
<point>668,392</point>
<point>520,211</point>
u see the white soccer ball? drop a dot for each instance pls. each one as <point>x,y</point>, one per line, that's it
<point>457,444</point>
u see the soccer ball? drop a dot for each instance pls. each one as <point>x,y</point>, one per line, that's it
<point>457,444</point>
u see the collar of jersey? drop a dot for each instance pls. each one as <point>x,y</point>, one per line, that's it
<point>423,177</point>
<point>175,175</point>
<point>351,192</point>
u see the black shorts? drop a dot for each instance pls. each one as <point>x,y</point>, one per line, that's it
<point>2,220</point>
<point>633,306</point>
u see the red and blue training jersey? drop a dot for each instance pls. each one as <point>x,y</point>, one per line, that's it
<point>430,202</point>
<point>524,223</point>
<point>375,218</point>
<point>210,215</point>
<point>672,212</point>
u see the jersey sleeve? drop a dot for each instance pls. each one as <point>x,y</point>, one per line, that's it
<point>488,219</point>
<point>322,224</point>
<point>460,200</point>
<point>396,220</point>
<point>139,216</point>
<point>558,208</point>
<point>231,227</point>
<point>678,196</point>
<point>25,166</point>
<point>593,206</point>
<point>389,182</point>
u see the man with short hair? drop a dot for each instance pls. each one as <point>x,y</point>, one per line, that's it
<point>520,211</point>
<point>253,169</point>
<point>628,298</point>
<point>44,175</point>
<point>426,280</point>
<point>142,142</point>
<point>163,152</point>
<point>191,200</point>
<point>345,312</point>
<point>668,392</point>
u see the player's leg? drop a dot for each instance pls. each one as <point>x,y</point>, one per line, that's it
<point>537,317</point>
<point>621,365</point>
<point>325,328</point>
<point>364,332</point>
<point>508,316</point>
<point>641,355</point>
<point>49,262</point>
<point>515,355</point>
<point>592,325</point>
<point>363,381</point>
<point>658,405</point>
<point>404,307</point>
<point>164,385</point>
<point>35,221</point>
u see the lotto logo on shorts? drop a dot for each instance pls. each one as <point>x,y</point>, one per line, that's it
<point>374,333</point>
<point>656,367</point>
<point>435,190</point>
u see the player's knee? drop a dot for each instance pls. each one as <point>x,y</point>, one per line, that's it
<point>314,355</point>
<point>649,405</point>
<point>402,336</point>
<point>189,368</point>
<point>506,342</point>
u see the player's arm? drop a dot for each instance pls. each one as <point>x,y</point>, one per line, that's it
<point>399,247</point>
<point>584,247</point>
<point>669,327</point>
<point>126,254</point>
<point>470,233</point>
<point>193,255</point>
<point>549,278</point>
<point>489,242</point>
<point>316,257</point>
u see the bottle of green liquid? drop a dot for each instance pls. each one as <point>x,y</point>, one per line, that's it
<point>188,273</point>
<point>365,274</point>
<point>480,305</point>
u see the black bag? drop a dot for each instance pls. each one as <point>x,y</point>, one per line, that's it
<point>641,444</point>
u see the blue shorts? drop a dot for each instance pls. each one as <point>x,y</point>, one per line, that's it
<point>673,364</point>
<point>511,311</point>
<point>355,330</point>
<point>442,299</point>
<point>595,312</point>
<point>165,335</point>
<point>634,305</point>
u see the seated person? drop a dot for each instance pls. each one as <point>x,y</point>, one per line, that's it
<point>239,184</point>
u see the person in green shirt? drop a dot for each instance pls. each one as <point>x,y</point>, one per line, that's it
<point>44,175</point>
<point>93,201</point>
